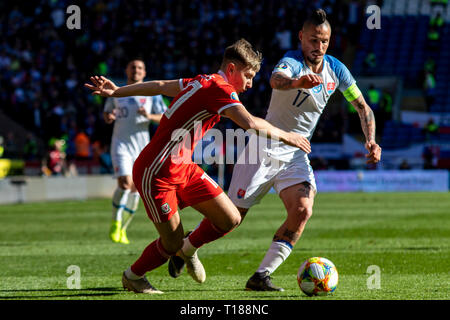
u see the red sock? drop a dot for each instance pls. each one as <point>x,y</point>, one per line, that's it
<point>152,257</point>
<point>205,233</point>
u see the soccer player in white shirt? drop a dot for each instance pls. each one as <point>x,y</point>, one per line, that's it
<point>131,117</point>
<point>302,82</point>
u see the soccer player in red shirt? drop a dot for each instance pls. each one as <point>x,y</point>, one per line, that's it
<point>164,173</point>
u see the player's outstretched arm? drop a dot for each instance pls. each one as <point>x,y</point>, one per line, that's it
<point>106,88</point>
<point>281,81</point>
<point>368,126</point>
<point>245,120</point>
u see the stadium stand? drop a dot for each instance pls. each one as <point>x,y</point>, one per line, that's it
<point>43,64</point>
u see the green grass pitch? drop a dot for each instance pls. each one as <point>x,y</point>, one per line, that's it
<point>407,235</point>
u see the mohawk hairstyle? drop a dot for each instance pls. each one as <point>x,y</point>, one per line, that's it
<point>316,18</point>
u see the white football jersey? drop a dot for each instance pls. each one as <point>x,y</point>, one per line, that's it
<point>299,110</point>
<point>131,129</point>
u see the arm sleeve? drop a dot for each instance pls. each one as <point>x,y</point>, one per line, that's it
<point>158,105</point>
<point>286,66</point>
<point>184,82</point>
<point>347,84</point>
<point>226,98</point>
<point>290,65</point>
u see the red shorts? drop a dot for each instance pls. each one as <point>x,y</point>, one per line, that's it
<point>162,199</point>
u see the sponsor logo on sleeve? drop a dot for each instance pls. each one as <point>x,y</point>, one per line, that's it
<point>234,96</point>
<point>282,66</point>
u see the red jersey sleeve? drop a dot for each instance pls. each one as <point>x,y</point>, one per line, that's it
<point>184,82</point>
<point>226,97</point>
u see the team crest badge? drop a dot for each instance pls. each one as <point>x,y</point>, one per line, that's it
<point>240,193</point>
<point>142,101</point>
<point>330,87</point>
<point>234,96</point>
<point>317,89</point>
<point>165,208</point>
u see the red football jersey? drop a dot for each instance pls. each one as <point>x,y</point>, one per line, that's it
<point>191,114</point>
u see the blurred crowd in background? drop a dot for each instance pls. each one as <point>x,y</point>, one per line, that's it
<point>43,64</point>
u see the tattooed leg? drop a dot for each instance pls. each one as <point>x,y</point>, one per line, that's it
<point>287,235</point>
<point>298,200</point>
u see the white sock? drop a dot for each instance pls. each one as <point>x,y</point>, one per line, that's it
<point>188,249</point>
<point>119,201</point>
<point>131,275</point>
<point>133,202</point>
<point>277,253</point>
<point>130,208</point>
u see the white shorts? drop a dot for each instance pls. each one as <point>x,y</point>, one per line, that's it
<point>123,160</point>
<point>122,164</point>
<point>251,182</point>
<point>125,152</point>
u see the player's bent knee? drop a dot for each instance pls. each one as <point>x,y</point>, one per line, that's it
<point>231,223</point>
<point>125,183</point>
<point>303,213</point>
<point>236,221</point>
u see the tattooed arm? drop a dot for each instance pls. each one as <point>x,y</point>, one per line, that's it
<point>280,81</point>
<point>368,126</point>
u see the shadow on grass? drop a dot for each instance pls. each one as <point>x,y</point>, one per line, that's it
<point>31,294</point>
<point>63,293</point>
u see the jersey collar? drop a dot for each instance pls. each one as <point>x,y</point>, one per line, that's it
<point>221,73</point>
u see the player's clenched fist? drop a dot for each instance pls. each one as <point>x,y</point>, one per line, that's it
<point>308,81</point>
<point>374,155</point>
<point>101,86</point>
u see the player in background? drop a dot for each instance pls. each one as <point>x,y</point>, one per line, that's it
<point>302,83</point>
<point>167,184</point>
<point>131,117</point>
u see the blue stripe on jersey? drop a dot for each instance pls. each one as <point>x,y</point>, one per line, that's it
<point>343,74</point>
<point>294,59</point>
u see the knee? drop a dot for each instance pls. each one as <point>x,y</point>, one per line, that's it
<point>232,222</point>
<point>303,213</point>
<point>125,183</point>
<point>236,221</point>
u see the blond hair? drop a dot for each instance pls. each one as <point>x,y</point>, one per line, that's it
<point>242,52</point>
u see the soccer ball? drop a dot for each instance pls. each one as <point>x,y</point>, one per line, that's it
<point>317,277</point>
